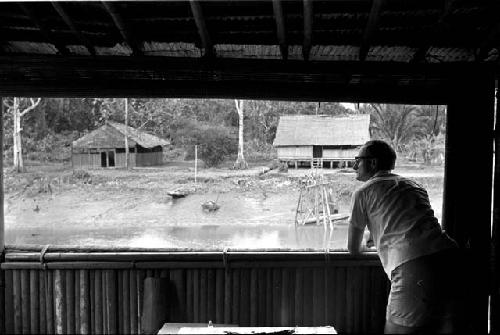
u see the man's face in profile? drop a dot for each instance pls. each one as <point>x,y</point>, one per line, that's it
<point>364,165</point>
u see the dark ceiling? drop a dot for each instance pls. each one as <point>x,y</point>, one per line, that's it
<point>339,48</point>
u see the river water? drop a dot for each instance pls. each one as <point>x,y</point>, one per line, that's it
<point>244,221</point>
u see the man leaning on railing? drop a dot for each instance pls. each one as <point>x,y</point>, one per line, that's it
<point>419,258</point>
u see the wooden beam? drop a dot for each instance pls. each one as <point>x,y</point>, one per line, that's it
<point>122,27</point>
<point>64,15</point>
<point>2,223</point>
<point>495,238</point>
<point>308,21</point>
<point>233,78</point>
<point>201,25</point>
<point>492,39</point>
<point>440,26</point>
<point>370,28</point>
<point>43,28</point>
<point>475,240</point>
<point>280,28</point>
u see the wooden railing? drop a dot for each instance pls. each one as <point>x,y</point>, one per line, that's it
<point>102,292</point>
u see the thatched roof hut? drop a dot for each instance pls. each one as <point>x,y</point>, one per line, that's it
<point>105,147</point>
<point>334,139</point>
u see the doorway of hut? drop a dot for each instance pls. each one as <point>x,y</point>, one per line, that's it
<point>317,151</point>
<point>107,159</point>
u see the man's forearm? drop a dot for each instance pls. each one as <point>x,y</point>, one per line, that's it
<point>354,238</point>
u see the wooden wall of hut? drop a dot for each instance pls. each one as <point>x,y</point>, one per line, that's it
<point>87,160</point>
<point>340,153</point>
<point>295,152</point>
<point>149,158</point>
<point>120,159</point>
<point>92,296</point>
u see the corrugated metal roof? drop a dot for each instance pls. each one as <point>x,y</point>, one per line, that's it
<point>112,135</point>
<point>322,130</point>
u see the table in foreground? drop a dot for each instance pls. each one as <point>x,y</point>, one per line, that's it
<point>202,328</point>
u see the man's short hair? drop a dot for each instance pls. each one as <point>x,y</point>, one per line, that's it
<point>385,154</point>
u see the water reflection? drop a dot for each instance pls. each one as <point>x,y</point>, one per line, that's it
<point>241,222</point>
<point>220,237</point>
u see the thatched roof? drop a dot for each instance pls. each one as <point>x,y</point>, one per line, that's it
<point>217,48</point>
<point>314,30</point>
<point>112,135</point>
<point>322,130</point>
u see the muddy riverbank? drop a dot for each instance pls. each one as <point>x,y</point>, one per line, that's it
<point>54,205</point>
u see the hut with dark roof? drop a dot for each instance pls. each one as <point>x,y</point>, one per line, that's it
<point>319,140</point>
<point>105,147</point>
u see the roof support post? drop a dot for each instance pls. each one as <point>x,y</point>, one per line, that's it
<point>467,195</point>
<point>495,245</point>
<point>280,28</point>
<point>2,221</point>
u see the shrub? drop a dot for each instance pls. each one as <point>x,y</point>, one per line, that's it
<point>256,150</point>
<point>216,144</point>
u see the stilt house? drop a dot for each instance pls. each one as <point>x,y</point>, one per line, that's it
<point>320,139</point>
<point>353,51</point>
<point>105,147</point>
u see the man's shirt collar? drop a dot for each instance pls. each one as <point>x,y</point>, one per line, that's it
<point>381,173</point>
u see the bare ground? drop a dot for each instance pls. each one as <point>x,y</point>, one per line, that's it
<point>55,198</point>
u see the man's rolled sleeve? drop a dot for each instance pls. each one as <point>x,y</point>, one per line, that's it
<point>358,214</point>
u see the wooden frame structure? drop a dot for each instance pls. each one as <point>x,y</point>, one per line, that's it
<point>414,52</point>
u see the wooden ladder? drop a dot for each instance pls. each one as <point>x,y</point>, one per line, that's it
<point>317,163</point>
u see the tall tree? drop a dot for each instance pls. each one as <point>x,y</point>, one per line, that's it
<point>19,107</point>
<point>240,161</point>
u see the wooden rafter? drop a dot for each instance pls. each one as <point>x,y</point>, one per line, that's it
<point>280,28</point>
<point>370,28</point>
<point>43,29</point>
<point>121,26</point>
<point>489,42</point>
<point>308,21</point>
<point>440,26</point>
<point>201,25</point>
<point>64,15</point>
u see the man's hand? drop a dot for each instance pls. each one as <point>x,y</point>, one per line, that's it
<point>369,242</point>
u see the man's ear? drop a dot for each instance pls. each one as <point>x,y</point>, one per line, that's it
<point>373,164</point>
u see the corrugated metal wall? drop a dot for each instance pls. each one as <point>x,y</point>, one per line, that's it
<point>350,296</point>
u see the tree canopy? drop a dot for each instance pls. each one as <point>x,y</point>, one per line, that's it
<point>47,131</point>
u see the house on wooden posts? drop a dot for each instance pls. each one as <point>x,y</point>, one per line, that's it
<point>105,147</point>
<point>319,140</point>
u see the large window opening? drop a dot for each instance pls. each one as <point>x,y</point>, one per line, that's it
<point>198,179</point>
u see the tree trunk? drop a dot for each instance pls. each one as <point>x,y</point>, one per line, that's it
<point>126,134</point>
<point>17,148</point>
<point>240,163</point>
<point>16,130</point>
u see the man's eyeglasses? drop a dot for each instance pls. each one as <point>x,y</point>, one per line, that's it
<point>359,158</point>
